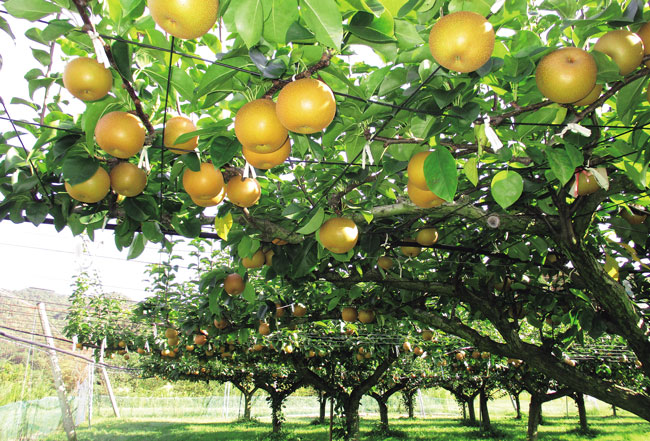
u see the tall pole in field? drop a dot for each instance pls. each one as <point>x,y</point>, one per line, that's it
<point>66,415</point>
<point>91,379</point>
<point>107,380</point>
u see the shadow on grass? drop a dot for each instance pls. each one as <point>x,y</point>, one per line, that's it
<point>439,429</point>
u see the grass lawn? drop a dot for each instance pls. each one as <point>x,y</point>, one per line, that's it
<point>444,429</point>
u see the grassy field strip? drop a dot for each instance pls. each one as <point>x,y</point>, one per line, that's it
<point>441,429</point>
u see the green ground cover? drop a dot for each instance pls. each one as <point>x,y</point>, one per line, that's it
<point>626,428</point>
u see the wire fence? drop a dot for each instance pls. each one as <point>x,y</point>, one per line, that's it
<point>33,420</point>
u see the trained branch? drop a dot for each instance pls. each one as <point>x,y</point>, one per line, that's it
<point>279,84</point>
<point>611,91</point>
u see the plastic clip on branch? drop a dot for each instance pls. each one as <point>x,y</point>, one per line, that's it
<point>491,135</point>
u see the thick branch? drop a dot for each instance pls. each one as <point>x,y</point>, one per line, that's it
<point>546,363</point>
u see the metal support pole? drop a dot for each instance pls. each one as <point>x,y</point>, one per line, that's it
<point>107,381</point>
<point>66,415</point>
<point>91,379</point>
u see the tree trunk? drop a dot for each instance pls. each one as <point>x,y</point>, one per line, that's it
<point>534,414</point>
<point>518,406</point>
<point>383,414</point>
<point>322,402</point>
<point>276,413</point>
<point>464,410</point>
<point>472,411</point>
<point>579,398</point>
<point>248,398</point>
<point>613,411</point>
<point>485,415</point>
<point>352,419</point>
<point>408,402</point>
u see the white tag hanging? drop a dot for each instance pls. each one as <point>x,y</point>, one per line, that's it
<point>366,155</point>
<point>249,171</point>
<point>491,135</point>
<point>575,128</point>
<point>144,159</point>
<point>98,44</point>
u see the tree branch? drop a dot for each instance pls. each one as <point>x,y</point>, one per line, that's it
<point>322,64</point>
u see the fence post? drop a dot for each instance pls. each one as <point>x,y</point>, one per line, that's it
<point>107,381</point>
<point>91,379</point>
<point>66,415</point>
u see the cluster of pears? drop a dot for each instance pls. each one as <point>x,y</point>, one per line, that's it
<point>425,237</point>
<point>262,126</point>
<point>119,134</point>
<point>568,75</point>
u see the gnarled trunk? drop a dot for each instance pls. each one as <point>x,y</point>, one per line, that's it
<point>322,403</point>
<point>383,414</point>
<point>582,411</point>
<point>248,403</point>
<point>534,414</point>
<point>276,412</point>
<point>471,410</point>
<point>485,415</point>
<point>352,420</point>
<point>518,407</point>
<point>408,402</point>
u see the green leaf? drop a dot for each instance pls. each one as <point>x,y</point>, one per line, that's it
<point>333,303</point>
<point>507,187</point>
<point>94,111</point>
<point>608,70</point>
<point>217,75</point>
<point>122,55</point>
<point>137,246</point>
<point>5,27</point>
<point>222,225</point>
<point>31,10</point>
<point>249,21</point>
<point>545,115</point>
<point>151,231</point>
<point>562,164</point>
<point>629,98</point>
<point>134,210</point>
<point>314,223</point>
<point>249,293</point>
<point>368,27</point>
<point>479,6</point>
<point>183,83</point>
<point>244,248</point>
<point>55,29</point>
<point>280,17</point>
<point>192,161</point>
<point>36,212</point>
<point>78,169</point>
<point>324,19</point>
<point>223,149</point>
<point>471,170</point>
<point>441,173</point>
<point>213,300</point>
